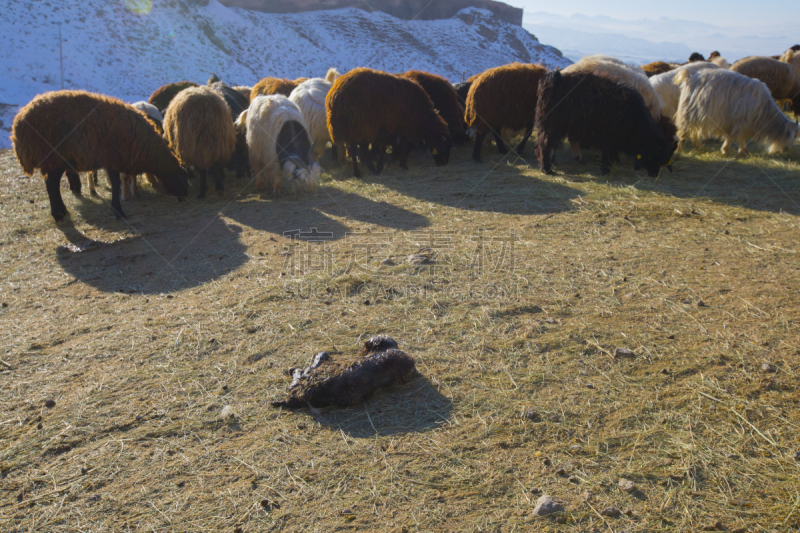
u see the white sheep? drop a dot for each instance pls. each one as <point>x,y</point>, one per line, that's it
<point>279,144</point>
<point>718,103</point>
<point>670,93</point>
<point>310,96</point>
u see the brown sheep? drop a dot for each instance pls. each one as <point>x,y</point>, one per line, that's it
<point>791,57</point>
<point>268,86</point>
<point>503,97</point>
<point>162,96</point>
<point>80,131</point>
<point>778,76</point>
<point>367,107</point>
<point>656,67</point>
<point>445,100</point>
<point>199,128</point>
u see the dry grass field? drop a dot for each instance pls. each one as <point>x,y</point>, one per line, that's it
<point>143,331</point>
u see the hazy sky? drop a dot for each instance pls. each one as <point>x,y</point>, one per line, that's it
<point>722,13</point>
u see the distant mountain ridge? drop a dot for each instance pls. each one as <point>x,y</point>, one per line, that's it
<point>112,49</point>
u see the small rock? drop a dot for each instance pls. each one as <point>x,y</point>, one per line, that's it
<point>387,262</point>
<point>766,367</point>
<point>701,303</point>
<point>546,505</point>
<point>227,412</point>
<point>561,519</point>
<point>546,462</point>
<point>623,353</point>
<point>664,371</point>
<point>573,479</point>
<point>561,472</point>
<point>49,403</point>
<point>628,512</point>
<point>575,448</point>
<point>610,511</point>
<point>797,456</point>
<point>587,496</point>
<point>550,320</point>
<point>5,305</point>
<point>554,418</point>
<point>716,526</point>
<point>530,414</point>
<point>589,386</point>
<point>670,336</point>
<point>536,490</point>
<point>627,485</point>
<point>347,511</point>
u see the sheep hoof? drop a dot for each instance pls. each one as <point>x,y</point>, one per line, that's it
<point>95,195</point>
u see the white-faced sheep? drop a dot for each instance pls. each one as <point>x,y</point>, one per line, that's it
<point>278,143</point>
<point>780,77</point>
<point>91,131</point>
<point>200,130</point>
<point>718,103</point>
<point>310,97</point>
<point>670,93</point>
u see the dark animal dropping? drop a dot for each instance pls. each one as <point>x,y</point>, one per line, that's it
<point>327,383</point>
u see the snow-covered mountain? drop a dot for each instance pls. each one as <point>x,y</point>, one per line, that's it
<point>128,48</point>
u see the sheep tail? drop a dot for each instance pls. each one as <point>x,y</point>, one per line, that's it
<point>332,75</point>
<point>241,120</point>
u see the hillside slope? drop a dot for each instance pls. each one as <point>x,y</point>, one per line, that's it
<point>115,49</point>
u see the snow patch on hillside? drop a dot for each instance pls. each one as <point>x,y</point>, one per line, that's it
<point>110,49</point>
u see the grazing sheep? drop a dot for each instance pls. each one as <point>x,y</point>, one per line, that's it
<point>445,100</point>
<point>91,131</point>
<point>277,140</point>
<point>596,112</point>
<point>718,60</point>
<point>656,67</point>
<point>696,56</point>
<point>720,103</point>
<point>129,186</point>
<point>668,92</point>
<point>325,383</point>
<point>162,96</point>
<point>503,97</point>
<point>236,102</point>
<point>310,97</point>
<point>622,73</point>
<point>780,77</point>
<point>268,86</point>
<point>199,129</point>
<point>367,107</point>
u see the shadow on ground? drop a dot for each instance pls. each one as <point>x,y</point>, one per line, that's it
<point>413,408</point>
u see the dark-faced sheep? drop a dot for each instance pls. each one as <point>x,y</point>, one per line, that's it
<point>327,383</point>
<point>718,60</point>
<point>598,113</point>
<point>445,100</point>
<point>503,97</point>
<point>199,129</point>
<point>278,143</point>
<point>237,103</point>
<point>367,107</point>
<point>780,77</point>
<point>718,103</point>
<point>696,56</point>
<point>81,132</point>
<point>162,96</point>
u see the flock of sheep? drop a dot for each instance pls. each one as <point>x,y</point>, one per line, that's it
<point>279,128</point>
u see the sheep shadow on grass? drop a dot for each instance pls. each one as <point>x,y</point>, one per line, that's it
<point>415,407</point>
<point>162,258</point>
<point>501,184</point>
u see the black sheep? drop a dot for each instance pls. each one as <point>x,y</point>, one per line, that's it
<point>598,113</point>
<point>325,383</point>
<point>237,103</point>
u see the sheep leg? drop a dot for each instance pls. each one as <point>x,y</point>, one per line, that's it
<point>334,152</point>
<point>53,184</point>
<point>476,150</point>
<point>125,179</point>
<point>500,143</point>
<point>726,146</point>
<point>381,154</point>
<point>219,184</point>
<point>524,141</point>
<point>404,150</point>
<point>546,156</point>
<point>605,164</point>
<point>576,151</point>
<point>92,181</point>
<point>113,177</point>
<point>134,185</point>
<point>74,180</point>
<point>366,157</point>
<point>202,176</point>
<point>353,149</point>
